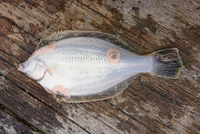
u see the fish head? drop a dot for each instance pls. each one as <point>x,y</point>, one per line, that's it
<point>34,68</point>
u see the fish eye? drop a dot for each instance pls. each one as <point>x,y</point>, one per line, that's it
<point>41,63</point>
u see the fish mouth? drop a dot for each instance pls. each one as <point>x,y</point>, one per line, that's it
<point>20,67</point>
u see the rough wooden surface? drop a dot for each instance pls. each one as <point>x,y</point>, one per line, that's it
<point>150,104</point>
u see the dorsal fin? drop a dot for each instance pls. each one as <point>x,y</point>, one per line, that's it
<point>96,34</point>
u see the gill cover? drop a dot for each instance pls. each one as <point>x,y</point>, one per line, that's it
<point>33,67</point>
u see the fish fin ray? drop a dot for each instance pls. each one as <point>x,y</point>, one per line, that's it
<point>96,34</point>
<point>167,63</point>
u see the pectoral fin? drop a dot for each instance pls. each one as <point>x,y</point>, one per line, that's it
<point>51,69</point>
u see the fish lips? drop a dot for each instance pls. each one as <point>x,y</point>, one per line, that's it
<point>20,67</point>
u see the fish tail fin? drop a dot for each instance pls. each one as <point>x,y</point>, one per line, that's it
<point>167,63</point>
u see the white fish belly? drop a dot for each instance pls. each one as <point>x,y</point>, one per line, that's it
<point>82,67</point>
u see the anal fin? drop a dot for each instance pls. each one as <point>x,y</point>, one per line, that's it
<point>108,93</point>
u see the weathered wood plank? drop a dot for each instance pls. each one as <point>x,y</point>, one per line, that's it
<point>149,105</point>
<point>9,125</point>
<point>36,114</point>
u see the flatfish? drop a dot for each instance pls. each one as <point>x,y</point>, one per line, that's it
<point>84,66</point>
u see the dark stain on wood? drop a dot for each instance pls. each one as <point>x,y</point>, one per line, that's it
<point>145,23</point>
<point>116,15</point>
<point>35,28</point>
<point>53,6</point>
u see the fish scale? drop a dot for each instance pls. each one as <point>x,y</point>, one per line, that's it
<point>87,66</point>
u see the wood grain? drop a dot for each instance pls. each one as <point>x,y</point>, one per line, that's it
<point>149,105</point>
